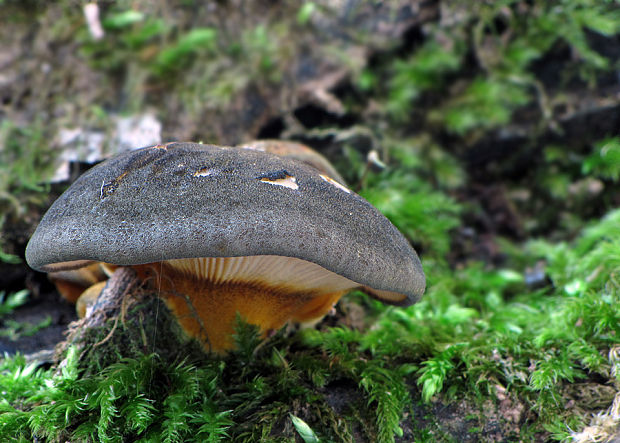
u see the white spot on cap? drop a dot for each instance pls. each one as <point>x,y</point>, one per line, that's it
<point>205,172</point>
<point>331,181</point>
<point>288,181</point>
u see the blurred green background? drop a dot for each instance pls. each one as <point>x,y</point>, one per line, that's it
<point>499,126</point>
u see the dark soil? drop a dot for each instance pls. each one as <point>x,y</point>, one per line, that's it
<point>36,310</point>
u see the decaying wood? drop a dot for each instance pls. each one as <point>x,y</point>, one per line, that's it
<point>128,319</point>
<point>112,303</point>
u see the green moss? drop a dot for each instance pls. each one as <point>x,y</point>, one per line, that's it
<point>176,56</point>
<point>505,39</point>
<point>605,160</point>
<point>11,301</point>
<point>485,104</point>
<point>426,70</point>
<point>10,328</point>
<point>204,66</point>
<point>26,165</point>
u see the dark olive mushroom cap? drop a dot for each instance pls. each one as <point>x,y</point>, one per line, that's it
<point>187,200</point>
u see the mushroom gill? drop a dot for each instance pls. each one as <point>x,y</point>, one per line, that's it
<point>207,293</point>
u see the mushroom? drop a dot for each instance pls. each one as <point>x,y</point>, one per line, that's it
<point>223,231</point>
<point>84,284</point>
<point>72,283</point>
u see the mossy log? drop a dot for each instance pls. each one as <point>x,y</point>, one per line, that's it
<point>128,320</point>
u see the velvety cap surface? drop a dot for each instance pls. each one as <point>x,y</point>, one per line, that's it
<point>186,200</point>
